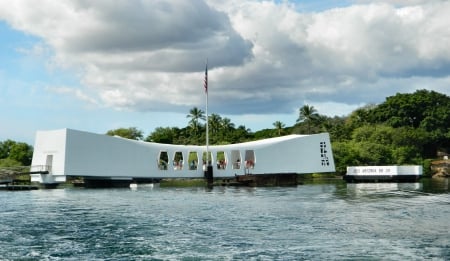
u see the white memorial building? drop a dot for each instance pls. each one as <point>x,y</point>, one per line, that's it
<point>59,154</point>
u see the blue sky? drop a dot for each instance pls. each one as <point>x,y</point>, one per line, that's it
<point>102,65</point>
<point>27,106</point>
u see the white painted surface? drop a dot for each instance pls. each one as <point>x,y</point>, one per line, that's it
<point>79,153</point>
<point>49,144</point>
<point>385,170</point>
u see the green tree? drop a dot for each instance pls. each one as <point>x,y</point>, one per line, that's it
<point>129,133</point>
<point>406,155</point>
<point>279,127</point>
<point>360,116</point>
<point>345,154</point>
<point>371,153</point>
<point>307,114</point>
<point>423,109</point>
<point>162,135</point>
<point>21,152</point>
<point>227,130</point>
<point>214,123</point>
<point>14,153</point>
<point>181,136</point>
<point>226,124</point>
<point>241,134</point>
<point>263,134</point>
<point>405,129</point>
<point>426,109</point>
<point>195,114</point>
<point>5,148</point>
<point>337,127</point>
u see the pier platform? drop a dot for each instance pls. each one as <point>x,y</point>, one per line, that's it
<point>10,187</point>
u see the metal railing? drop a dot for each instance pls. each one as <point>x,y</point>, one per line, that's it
<point>8,175</point>
<point>40,169</point>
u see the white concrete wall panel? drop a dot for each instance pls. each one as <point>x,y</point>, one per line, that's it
<point>50,143</point>
<point>78,153</point>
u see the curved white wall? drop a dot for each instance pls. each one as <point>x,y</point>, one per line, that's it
<point>78,153</point>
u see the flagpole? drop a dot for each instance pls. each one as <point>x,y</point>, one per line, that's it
<point>209,169</point>
<point>206,111</point>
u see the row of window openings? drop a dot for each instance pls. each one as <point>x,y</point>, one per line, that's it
<point>222,161</point>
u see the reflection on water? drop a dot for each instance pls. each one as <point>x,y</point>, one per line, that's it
<point>383,190</point>
<point>324,221</point>
<point>367,188</point>
<point>435,185</point>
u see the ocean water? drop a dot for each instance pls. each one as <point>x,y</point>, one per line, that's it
<point>327,221</point>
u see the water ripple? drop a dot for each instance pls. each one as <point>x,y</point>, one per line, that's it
<point>309,222</point>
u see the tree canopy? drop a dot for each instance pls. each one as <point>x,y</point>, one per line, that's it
<point>405,129</point>
<point>130,133</point>
<point>307,114</point>
<point>426,111</point>
<point>279,127</point>
<point>14,153</point>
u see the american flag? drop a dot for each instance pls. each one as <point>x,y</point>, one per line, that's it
<point>205,84</point>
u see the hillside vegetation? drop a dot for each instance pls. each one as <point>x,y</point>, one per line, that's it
<point>410,128</point>
<point>407,128</point>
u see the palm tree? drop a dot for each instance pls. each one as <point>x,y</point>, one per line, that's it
<point>227,125</point>
<point>214,123</point>
<point>279,126</point>
<point>195,114</point>
<point>307,114</point>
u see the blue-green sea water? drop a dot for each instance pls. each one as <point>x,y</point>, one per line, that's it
<point>327,221</point>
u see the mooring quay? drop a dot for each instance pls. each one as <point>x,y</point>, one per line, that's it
<point>13,187</point>
<point>9,181</point>
<point>101,158</point>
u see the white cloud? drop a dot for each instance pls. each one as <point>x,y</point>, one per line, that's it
<point>70,91</point>
<point>264,57</point>
<point>336,109</point>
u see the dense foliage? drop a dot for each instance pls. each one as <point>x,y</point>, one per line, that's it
<point>405,129</point>
<point>14,153</point>
<point>130,133</point>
